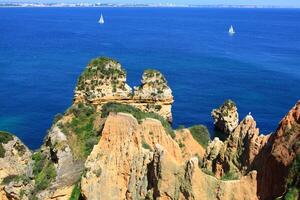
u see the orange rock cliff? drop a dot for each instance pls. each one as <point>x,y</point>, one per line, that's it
<point>115,143</point>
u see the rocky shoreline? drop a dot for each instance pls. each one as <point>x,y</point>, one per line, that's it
<point>116,143</point>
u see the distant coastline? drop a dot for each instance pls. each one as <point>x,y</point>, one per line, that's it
<point>165,5</point>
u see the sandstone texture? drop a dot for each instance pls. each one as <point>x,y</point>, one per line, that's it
<point>117,167</point>
<point>189,146</point>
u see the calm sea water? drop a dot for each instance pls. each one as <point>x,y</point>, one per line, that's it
<point>43,51</point>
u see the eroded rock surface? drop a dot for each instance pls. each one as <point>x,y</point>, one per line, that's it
<point>277,158</point>
<point>117,167</point>
<point>104,80</point>
<point>134,161</point>
<point>16,156</point>
<point>226,117</point>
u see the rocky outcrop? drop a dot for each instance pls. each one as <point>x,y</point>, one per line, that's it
<point>154,95</point>
<point>140,161</point>
<point>118,166</point>
<point>104,80</point>
<point>15,163</point>
<point>67,169</point>
<point>204,186</point>
<point>15,157</point>
<point>271,156</point>
<point>226,117</point>
<point>276,159</point>
<point>237,153</point>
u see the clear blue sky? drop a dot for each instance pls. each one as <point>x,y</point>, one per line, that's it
<point>289,3</point>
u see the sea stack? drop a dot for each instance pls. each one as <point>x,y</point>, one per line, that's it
<point>226,117</point>
<point>104,80</point>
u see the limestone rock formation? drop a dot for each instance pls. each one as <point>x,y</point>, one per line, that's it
<point>117,167</point>
<point>226,117</point>
<point>204,186</point>
<point>272,156</point>
<point>237,153</point>
<point>154,95</point>
<point>140,161</point>
<point>15,163</point>
<point>14,156</point>
<point>116,144</point>
<point>104,80</point>
<point>66,168</point>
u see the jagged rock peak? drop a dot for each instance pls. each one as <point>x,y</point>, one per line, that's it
<point>104,80</point>
<point>286,139</point>
<point>226,117</point>
<point>154,87</point>
<point>236,154</point>
<point>275,171</point>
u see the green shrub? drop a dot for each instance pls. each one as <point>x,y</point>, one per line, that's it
<point>206,171</point>
<point>181,145</point>
<point>200,134</point>
<point>83,126</point>
<point>230,176</point>
<point>21,149</point>
<point>16,178</point>
<point>8,179</point>
<point>145,145</point>
<point>200,161</point>
<point>137,113</point>
<point>180,127</point>
<point>229,104</point>
<point>293,181</point>
<point>292,194</point>
<point>75,192</point>
<point>39,162</point>
<point>293,178</point>
<point>57,117</point>
<point>97,68</point>
<point>45,177</point>
<point>2,151</point>
<point>5,137</point>
<point>44,171</point>
<point>22,193</point>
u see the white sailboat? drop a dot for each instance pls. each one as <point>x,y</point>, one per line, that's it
<point>231,30</point>
<point>101,20</point>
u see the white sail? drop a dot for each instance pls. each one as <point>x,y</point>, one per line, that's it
<point>101,20</point>
<point>231,30</point>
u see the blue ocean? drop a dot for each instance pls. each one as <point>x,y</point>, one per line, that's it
<point>44,50</point>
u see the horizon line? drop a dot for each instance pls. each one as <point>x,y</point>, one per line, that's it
<point>169,5</point>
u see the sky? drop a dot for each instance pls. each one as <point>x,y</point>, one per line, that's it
<point>284,3</point>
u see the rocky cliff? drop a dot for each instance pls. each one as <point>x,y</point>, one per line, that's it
<point>114,143</point>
